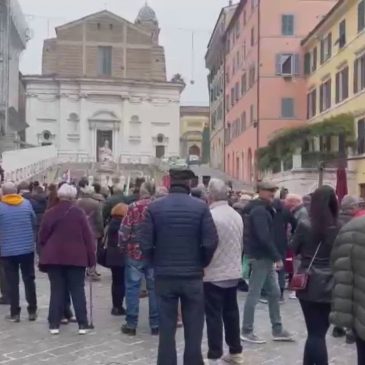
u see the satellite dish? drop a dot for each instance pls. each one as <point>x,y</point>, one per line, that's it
<point>192,82</point>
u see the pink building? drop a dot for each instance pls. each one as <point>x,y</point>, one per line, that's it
<point>264,75</point>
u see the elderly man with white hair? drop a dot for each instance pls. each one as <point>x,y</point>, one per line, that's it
<point>17,224</point>
<point>221,278</point>
<point>294,203</point>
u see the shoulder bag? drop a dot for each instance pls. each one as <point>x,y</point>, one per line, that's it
<point>300,280</point>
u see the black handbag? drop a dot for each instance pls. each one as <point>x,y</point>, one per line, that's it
<point>101,251</point>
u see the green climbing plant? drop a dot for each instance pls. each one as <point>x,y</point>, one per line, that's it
<point>283,145</point>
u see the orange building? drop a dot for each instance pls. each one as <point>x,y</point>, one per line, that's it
<point>264,75</point>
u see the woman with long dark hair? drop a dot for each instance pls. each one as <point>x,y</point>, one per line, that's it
<point>313,242</point>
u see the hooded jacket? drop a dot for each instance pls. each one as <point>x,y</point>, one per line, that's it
<point>258,239</point>
<point>17,223</point>
<point>348,299</point>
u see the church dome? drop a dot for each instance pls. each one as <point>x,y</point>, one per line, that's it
<point>146,14</point>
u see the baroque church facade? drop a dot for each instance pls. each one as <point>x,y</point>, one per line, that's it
<point>103,94</point>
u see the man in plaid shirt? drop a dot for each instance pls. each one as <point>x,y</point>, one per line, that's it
<point>137,266</point>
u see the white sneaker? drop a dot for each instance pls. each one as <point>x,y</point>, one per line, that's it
<point>252,338</point>
<point>236,359</point>
<point>54,331</point>
<point>292,295</point>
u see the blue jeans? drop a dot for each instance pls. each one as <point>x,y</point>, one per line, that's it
<point>263,272</point>
<point>135,270</point>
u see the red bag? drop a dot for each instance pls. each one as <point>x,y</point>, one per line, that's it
<point>300,280</point>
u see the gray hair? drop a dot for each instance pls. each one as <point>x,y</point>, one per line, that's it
<point>9,188</point>
<point>161,191</point>
<point>67,192</point>
<point>118,189</point>
<point>217,190</point>
<point>350,202</point>
<point>147,189</point>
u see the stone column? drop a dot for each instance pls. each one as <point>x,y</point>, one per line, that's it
<point>297,158</point>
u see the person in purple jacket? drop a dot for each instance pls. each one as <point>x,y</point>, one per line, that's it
<point>67,248</point>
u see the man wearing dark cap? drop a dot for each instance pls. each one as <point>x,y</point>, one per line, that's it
<point>180,238</point>
<point>265,259</point>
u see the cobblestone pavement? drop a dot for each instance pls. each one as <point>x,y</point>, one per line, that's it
<point>29,343</point>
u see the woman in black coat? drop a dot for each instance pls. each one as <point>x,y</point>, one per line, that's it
<point>115,259</point>
<point>313,242</point>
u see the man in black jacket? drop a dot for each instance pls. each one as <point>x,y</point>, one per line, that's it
<point>180,238</point>
<point>265,258</point>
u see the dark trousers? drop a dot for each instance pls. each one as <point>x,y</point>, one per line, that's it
<point>360,345</point>
<point>67,313</point>
<point>3,284</point>
<point>190,292</point>
<point>118,286</point>
<point>61,278</point>
<point>316,317</point>
<point>221,308</point>
<point>12,265</point>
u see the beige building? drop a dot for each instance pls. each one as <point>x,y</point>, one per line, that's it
<point>194,120</point>
<point>106,45</point>
<point>215,63</point>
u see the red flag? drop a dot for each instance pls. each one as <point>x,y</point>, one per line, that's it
<point>166,181</point>
<point>341,184</point>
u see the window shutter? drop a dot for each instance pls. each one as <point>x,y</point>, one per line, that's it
<point>287,107</point>
<point>337,87</point>
<point>361,16</point>
<point>291,24</point>
<point>321,98</point>
<point>314,66</point>
<point>314,102</point>
<point>356,76</point>
<point>345,83</point>
<point>322,51</point>
<point>296,64</point>
<point>308,106</point>
<point>307,63</point>
<point>361,136</point>
<point>329,45</point>
<point>362,72</point>
<point>329,94</point>
<point>278,64</point>
<point>283,25</point>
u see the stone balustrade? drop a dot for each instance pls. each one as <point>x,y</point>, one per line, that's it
<point>24,164</point>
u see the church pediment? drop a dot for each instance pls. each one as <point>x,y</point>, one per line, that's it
<point>99,16</point>
<point>104,115</point>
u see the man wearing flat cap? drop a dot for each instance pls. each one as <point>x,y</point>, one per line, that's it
<point>265,259</point>
<point>180,238</point>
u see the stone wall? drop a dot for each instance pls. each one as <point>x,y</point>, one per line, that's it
<point>305,181</point>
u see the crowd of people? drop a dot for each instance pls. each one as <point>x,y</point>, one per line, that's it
<point>190,250</point>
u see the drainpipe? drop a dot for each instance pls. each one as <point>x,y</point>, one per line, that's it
<point>258,87</point>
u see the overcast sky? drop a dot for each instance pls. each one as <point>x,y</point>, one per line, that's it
<point>177,18</point>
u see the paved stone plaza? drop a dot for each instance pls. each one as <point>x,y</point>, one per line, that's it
<point>29,343</point>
